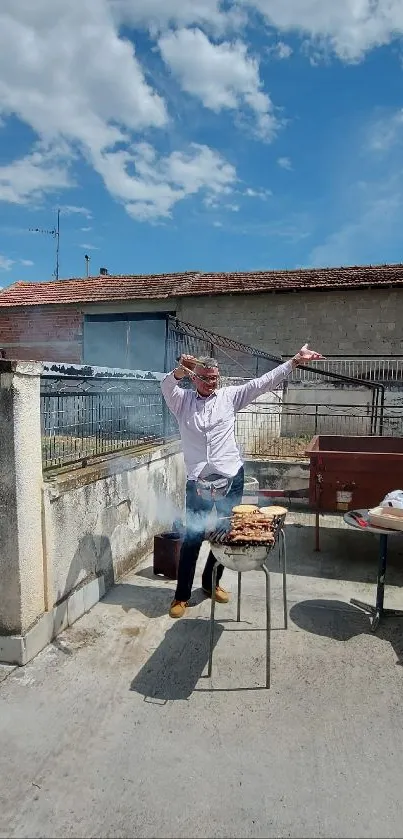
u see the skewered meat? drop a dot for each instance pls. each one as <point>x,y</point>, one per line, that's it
<point>250,525</point>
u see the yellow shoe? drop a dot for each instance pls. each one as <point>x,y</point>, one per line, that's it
<point>221,596</point>
<point>178,608</point>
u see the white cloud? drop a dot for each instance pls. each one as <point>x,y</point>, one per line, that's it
<point>222,76</point>
<point>66,72</point>
<point>350,28</point>
<point>258,193</point>
<point>27,263</point>
<point>150,185</point>
<point>89,247</point>
<point>280,50</point>
<point>85,229</point>
<point>217,223</point>
<point>71,210</point>
<point>5,263</point>
<point>45,169</point>
<point>234,208</point>
<point>386,132</point>
<point>157,15</point>
<point>284,163</point>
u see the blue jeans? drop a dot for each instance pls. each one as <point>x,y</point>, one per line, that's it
<point>197,510</point>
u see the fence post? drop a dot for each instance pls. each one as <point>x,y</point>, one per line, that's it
<point>316,419</point>
<point>22,597</point>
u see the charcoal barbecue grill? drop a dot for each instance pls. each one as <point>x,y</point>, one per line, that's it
<point>247,555</point>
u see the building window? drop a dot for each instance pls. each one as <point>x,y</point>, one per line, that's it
<point>126,341</point>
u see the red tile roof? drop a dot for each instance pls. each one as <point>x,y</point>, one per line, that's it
<point>110,288</point>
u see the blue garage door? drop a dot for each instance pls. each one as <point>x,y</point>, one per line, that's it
<point>131,342</point>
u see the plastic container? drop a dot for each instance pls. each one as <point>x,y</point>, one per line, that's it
<point>250,491</point>
<point>391,518</point>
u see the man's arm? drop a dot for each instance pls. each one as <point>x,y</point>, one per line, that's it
<point>243,395</point>
<point>246,394</point>
<point>174,395</point>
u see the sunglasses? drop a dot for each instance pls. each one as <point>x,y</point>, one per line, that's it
<point>209,380</point>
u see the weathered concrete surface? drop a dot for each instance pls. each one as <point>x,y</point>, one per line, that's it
<point>22,597</point>
<point>102,520</point>
<point>114,730</point>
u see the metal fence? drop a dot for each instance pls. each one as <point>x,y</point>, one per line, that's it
<point>368,369</point>
<point>284,430</point>
<point>87,417</point>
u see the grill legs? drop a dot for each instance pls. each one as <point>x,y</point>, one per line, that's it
<point>268,624</point>
<point>238,611</point>
<point>282,554</point>
<point>210,658</point>
<point>283,564</point>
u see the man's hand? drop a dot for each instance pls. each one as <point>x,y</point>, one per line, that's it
<point>186,363</point>
<point>305,355</point>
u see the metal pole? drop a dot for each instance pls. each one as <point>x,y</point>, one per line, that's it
<point>165,410</point>
<point>238,612</point>
<point>268,624</point>
<point>210,658</point>
<point>373,412</point>
<point>57,244</point>
<point>382,389</point>
<point>284,558</point>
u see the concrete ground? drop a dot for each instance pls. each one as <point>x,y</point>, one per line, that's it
<point>115,730</point>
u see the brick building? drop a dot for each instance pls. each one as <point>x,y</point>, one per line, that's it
<point>120,321</point>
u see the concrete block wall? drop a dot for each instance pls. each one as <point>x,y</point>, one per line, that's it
<point>354,321</point>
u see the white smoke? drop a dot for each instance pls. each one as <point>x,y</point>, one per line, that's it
<point>161,511</point>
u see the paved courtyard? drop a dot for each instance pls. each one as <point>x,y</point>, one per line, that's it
<point>116,731</point>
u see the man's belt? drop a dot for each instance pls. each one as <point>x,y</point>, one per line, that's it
<point>215,486</point>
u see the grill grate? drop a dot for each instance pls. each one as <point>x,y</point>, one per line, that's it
<point>220,534</point>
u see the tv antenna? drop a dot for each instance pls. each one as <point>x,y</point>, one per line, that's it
<point>56,235</point>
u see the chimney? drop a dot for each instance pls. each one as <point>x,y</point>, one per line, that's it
<point>103,272</point>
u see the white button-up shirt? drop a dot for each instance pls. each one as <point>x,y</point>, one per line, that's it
<point>207,424</point>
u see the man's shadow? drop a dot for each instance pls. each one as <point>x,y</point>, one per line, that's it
<point>343,621</point>
<point>173,670</point>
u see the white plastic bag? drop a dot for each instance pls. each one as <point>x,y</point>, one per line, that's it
<point>393,499</point>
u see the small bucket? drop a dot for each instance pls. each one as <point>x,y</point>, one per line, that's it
<point>167,548</point>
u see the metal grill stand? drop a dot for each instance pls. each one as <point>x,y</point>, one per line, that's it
<point>283,564</point>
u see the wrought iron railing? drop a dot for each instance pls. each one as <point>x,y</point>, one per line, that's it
<point>234,357</point>
<point>387,370</point>
<point>88,417</point>
<point>283,430</point>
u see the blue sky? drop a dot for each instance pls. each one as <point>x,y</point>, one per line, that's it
<point>199,135</point>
